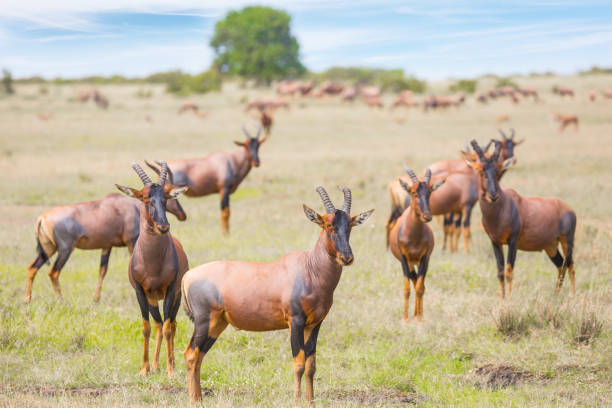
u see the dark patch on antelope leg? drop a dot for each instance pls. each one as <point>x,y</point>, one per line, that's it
<point>512,250</point>
<point>557,259</point>
<point>409,273</point>
<point>499,258</point>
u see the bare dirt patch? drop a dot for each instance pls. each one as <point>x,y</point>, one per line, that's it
<point>502,376</point>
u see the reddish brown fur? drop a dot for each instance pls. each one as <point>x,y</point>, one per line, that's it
<point>565,120</point>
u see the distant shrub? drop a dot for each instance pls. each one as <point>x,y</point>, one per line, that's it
<point>596,70</point>
<point>43,90</point>
<point>181,83</point>
<point>464,85</point>
<point>144,93</point>
<point>584,327</point>
<point>7,82</point>
<point>501,82</point>
<point>513,323</point>
<point>389,80</point>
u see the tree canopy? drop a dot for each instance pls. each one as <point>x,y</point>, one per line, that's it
<point>256,42</point>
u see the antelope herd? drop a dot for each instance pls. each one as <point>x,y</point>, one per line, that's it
<point>296,291</point>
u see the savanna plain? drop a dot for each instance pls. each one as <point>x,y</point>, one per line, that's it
<point>471,349</point>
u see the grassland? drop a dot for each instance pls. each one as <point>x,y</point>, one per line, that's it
<point>471,349</point>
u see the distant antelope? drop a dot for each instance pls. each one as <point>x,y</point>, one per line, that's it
<point>349,94</point>
<point>44,116</point>
<point>592,96</point>
<point>563,91</point>
<point>565,120</point>
<point>525,223</point>
<point>405,98</point>
<point>411,240</point>
<point>157,265</point>
<point>330,88</point>
<point>266,104</point>
<point>266,118</point>
<point>219,172</point>
<point>188,106</point>
<point>501,119</point>
<point>102,224</point>
<point>607,94</point>
<point>294,292</point>
<point>373,101</point>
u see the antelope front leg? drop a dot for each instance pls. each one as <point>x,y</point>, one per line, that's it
<point>146,333</point>
<point>310,349</point>
<point>512,248</point>
<point>419,287</point>
<point>167,330</point>
<point>499,258</point>
<point>408,274</point>
<point>299,356</point>
<point>154,310</point>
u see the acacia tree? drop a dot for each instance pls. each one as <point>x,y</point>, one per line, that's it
<point>256,42</point>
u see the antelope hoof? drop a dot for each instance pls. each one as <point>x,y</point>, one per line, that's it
<point>96,298</point>
<point>27,299</point>
<point>144,371</point>
<point>154,368</point>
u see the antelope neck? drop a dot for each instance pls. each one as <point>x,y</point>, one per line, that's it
<point>242,162</point>
<point>322,268</point>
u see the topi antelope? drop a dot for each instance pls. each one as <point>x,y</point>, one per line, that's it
<point>219,172</point>
<point>525,223</point>
<point>157,264</point>
<point>103,224</point>
<point>411,240</point>
<point>294,292</point>
<point>564,120</point>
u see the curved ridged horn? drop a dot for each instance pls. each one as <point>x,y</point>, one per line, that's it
<point>477,149</point>
<point>141,173</point>
<point>346,206</point>
<point>427,176</point>
<point>502,133</point>
<point>170,177</point>
<point>512,133</point>
<point>497,151</point>
<point>413,176</point>
<point>163,173</point>
<point>246,132</point>
<point>153,167</point>
<point>329,207</point>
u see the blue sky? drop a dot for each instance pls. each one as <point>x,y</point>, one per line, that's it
<point>429,39</point>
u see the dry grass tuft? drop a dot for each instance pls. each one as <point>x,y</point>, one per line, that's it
<point>584,326</point>
<point>502,376</point>
<point>512,322</point>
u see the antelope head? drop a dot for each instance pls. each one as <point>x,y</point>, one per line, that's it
<point>508,143</point>
<point>419,192</point>
<point>154,197</point>
<point>488,168</point>
<point>252,145</point>
<point>337,224</point>
<point>173,206</point>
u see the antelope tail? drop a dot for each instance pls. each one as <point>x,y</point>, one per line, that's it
<point>45,244</point>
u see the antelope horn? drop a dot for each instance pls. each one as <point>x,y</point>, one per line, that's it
<point>163,173</point>
<point>346,206</point>
<point>427,176</point>
<point>170,175</point>
<point>152,166</point>
<point>329,206</point>
<point>246,132</point>
<point>477,149</point>
<point>502,133</point>
<point>413,176</point>
<point>141,173</point>
<point>488,145</point>
<point>497,150</point>
<point>512,133</point>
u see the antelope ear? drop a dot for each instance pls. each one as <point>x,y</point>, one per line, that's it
<point>172,191</point>
<point>313,216</point>
<point>130,192</point>
<point>508,163</point>
<point>438,185</point>
<point>242,144</point>
<point>404,185</point>
<point>470,160</point>
<point>360,219</point>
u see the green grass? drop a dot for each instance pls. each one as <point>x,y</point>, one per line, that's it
<point>74,352</point>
